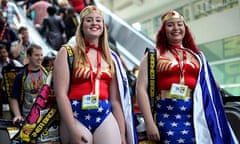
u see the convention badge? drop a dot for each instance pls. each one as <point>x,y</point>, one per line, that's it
<point>179,91</point>
<point>90,101</point>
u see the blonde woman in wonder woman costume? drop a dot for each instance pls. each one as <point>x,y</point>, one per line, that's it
<point>89,101</point>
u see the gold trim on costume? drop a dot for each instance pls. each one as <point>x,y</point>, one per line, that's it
<point>88,10</point>
<point>172,14</point>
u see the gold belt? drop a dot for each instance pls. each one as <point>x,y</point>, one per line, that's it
<point>166,94</point>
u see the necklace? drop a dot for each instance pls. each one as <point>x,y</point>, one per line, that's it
<point>180,62</point>
<point>36,83</point>
<point>94,79</point>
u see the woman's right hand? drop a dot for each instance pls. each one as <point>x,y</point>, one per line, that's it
<point>152,132</point>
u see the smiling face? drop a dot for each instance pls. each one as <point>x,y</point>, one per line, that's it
<point>92,26</point>
<point>175,31</point>
<point>36,58</point>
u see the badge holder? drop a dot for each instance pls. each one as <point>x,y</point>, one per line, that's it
<point>90,101</point>
<point>179,91</point>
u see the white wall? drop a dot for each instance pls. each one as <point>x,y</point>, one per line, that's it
<point>217,26</point>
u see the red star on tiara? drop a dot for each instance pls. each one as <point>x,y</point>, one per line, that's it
<point>94,8</point>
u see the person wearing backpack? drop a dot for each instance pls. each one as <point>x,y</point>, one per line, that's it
<point>27,84</point>
<point>87,91</point>
<point>5,63</point>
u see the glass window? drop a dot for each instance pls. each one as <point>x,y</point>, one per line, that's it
<point>223,55</point>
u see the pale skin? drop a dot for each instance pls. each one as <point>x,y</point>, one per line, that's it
<point>175,32</point>
<point>71,130</point>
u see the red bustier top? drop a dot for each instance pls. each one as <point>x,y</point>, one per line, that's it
<point>168,72</point>
<point>81,84</point>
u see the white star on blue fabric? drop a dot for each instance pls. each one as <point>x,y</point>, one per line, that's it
<point>180,140</point>
<point>89,127</point>
<point>187,124</point>
<point>178,116</point>
<point>161,124</point>
<point>100,109</point>
<point>174,124</point>
<point>184,132</point>
<point>183,108</point>
<point>98,119</point>
<point>170,107</point>
<point>175,121</point>
<point>170,132</point>
<point>75,114</point>
<point>165,115</point>
<point>88,117</point>
<point>166,142</point>
<point>75,103</point>
<point>189,116</point>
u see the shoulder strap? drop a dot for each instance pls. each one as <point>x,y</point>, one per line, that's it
<point>44,70</point>
<point>9,73</point>
<point>70,59</point>
<point>24,76</point>
<point>152,56</point>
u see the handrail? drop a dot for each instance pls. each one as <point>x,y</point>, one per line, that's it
<point>132,43</point>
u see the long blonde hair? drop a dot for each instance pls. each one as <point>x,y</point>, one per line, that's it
<point>79,48</point>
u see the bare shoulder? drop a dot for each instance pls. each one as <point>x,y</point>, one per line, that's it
<point>61,58</point>
<point>62,53</point>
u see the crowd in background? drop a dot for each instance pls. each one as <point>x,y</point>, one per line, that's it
<point>56,21</point>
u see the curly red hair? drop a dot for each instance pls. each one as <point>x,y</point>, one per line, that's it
<point>162,40</point>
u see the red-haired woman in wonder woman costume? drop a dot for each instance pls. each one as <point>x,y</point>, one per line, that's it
<point>188,108</point>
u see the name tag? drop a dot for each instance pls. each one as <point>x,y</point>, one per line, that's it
<point>179,91</point>
<point>90,101</point>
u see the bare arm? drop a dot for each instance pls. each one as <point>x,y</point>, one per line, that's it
<point>16,49</point>
<point>61,84</point>
<point>18,18</point>
<point>117,107</point>
<point>143,100</point>
<point>15,110</point>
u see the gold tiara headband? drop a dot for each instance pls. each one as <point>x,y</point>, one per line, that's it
<point>172,14</point>
<point>88,10</point>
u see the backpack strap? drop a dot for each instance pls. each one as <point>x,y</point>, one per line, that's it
<point>152,56</point>
<point>24,76</point>
<point>44,71</point>
<point>70,60</point>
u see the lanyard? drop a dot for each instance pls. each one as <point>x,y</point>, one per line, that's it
<point>180,63</point>
<point>95,79</point>
<point>36,84</point>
